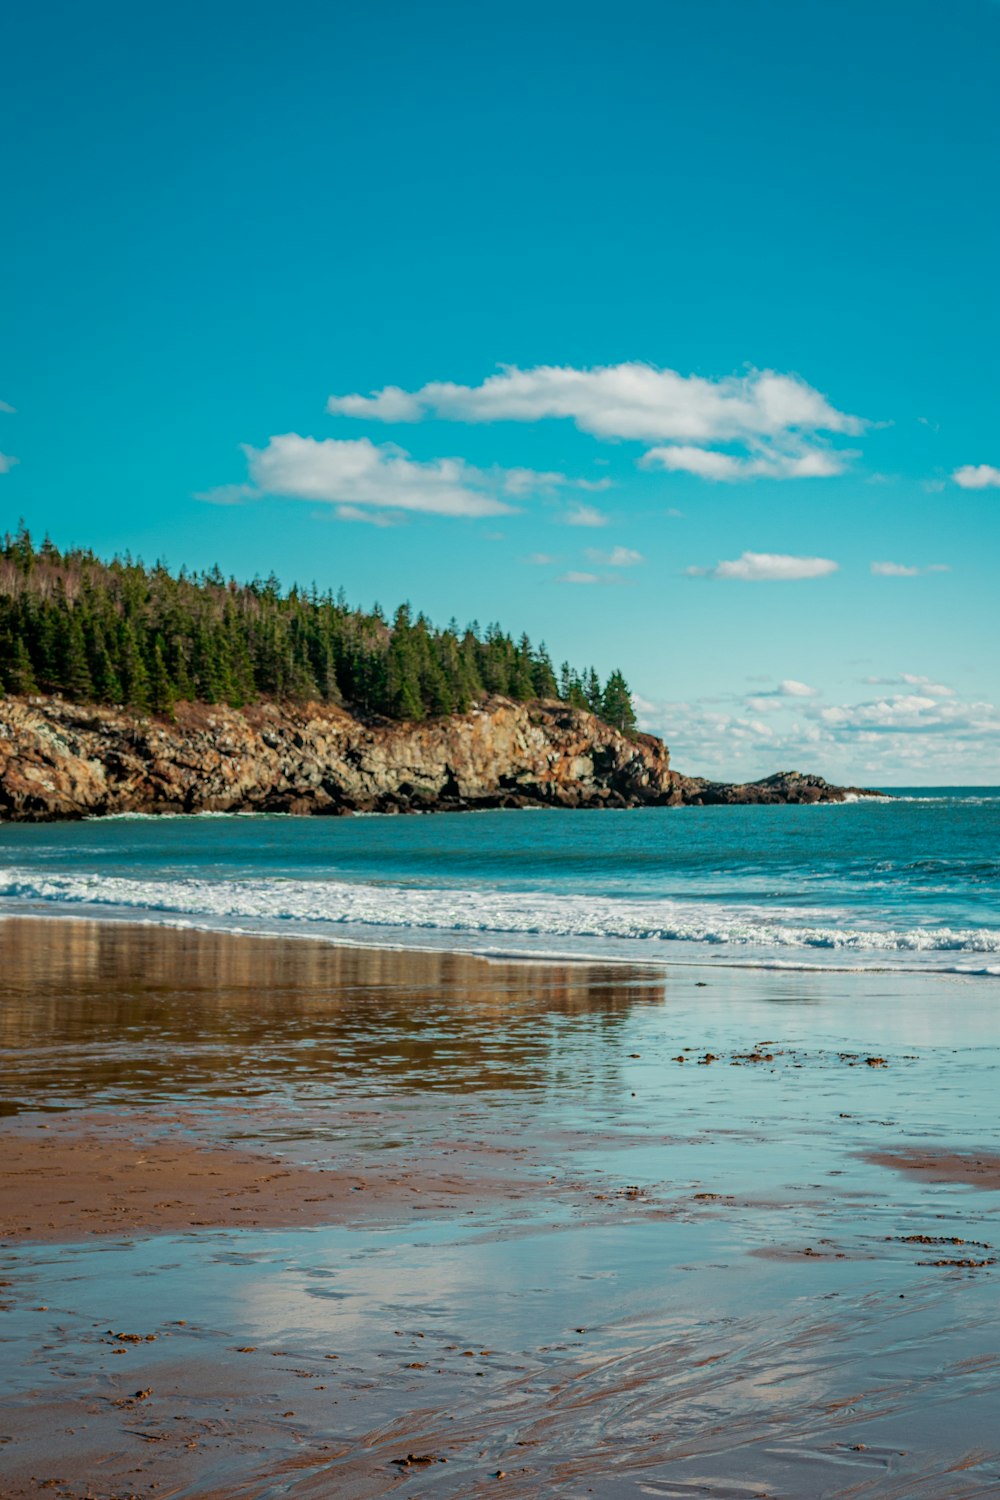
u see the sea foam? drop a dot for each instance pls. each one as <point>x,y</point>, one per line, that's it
<point>549,919</point>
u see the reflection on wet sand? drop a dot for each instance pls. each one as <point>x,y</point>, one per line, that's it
<point>99,1013</point>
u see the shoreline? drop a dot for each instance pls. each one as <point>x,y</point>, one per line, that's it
<point>850,798</point>
<point>877,888</point>
<point>527,956</point>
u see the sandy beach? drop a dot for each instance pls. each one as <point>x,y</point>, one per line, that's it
<point>286,1219</point>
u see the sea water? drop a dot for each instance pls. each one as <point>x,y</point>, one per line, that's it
<point>910,882</point>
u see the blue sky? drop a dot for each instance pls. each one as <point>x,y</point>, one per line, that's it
<point>664,323</point>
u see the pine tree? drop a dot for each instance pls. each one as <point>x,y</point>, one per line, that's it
<point>542,674</point>
<point>496,661</point>
<point>403,698</point>
<point>18,673</point>
<point>132,669</point>
<point>119,632</point>
<point>616,704</point>
<point>522,678</point>
<point>107,683</point>
<point>75,672</point>
<point>402,690</point>
<point>48,652</point>
<point>161,697</point>
<point>436,691</point>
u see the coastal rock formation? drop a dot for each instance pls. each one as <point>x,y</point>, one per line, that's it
<point>783,786</point>
<point>64,760</point>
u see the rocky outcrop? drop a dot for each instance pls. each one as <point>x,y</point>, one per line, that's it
<point>63,760</point>
<point>783,786</point>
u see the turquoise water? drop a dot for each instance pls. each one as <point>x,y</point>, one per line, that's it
<point>913,882</point>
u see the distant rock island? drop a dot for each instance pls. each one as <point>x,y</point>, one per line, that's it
<point>69,760</point>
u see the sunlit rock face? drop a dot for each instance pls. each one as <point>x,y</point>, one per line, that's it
<point>63,760</point>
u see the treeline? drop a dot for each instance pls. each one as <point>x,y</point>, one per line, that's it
<point>121,633</point>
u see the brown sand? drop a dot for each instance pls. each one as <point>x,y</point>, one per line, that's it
<point>65,1186</point>
<point>979,1170</point>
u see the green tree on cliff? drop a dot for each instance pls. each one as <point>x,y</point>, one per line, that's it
<point>616,704</point>
<point>118,632</point>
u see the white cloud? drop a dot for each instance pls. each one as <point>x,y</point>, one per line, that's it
<point>767,566</point>
<point>585,515</point>
<point>911,679</point>
<point>391,404</point>
<point>532,481</point>
<point>781,421</point>
<point>362,478</point>
<point>776,700</point>
<point>977,477</point>
<point>606,580</point>
<point>7,460</point>
<point>357,472</point>
<point>708,740</point>
<point>369,517</point>
<point>904,570</point>
<point>899,710</point>
<point>910,713</point>
<point>618,557</point>
<point>229,494</point>
<point>767,463</point>
<point>765,704</point>
<point>630,400</point>
<point>909,738</point>
<point>933,689</point>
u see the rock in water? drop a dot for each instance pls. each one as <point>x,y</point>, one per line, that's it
<point>783,786</point>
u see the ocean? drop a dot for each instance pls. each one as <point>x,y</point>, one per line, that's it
<point>907,883</point>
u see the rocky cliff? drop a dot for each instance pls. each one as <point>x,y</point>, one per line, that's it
<point>63,760</point>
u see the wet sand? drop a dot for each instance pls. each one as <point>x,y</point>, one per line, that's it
<point>117,1187</point>
<point>979,1170</point>
<point>281,1219</point>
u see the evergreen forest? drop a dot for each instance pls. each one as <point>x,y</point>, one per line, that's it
<point>119,632</point>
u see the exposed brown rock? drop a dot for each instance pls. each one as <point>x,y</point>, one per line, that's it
<point>783,786</point>
<point>64,760</point>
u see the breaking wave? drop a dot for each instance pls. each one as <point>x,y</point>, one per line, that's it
<point>652,928</point>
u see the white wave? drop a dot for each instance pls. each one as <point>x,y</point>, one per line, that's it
<point>960,799</point>
<point>534,915</point>
<point>170,817</point>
